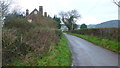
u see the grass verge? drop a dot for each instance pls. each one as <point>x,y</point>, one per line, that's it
<point>58,55</point>
<point>105,43</point>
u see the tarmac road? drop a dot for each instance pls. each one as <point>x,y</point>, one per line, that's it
<point>85,53</point>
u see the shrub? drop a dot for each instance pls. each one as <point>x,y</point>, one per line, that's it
<point>22,39</point>
<point>58,33</point>
<point>108,33</point>
<point>12,47</point>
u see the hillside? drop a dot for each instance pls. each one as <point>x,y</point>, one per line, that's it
<point>108,24</point>
<point>91,26</point>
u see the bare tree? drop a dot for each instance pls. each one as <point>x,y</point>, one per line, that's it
<point>117,3</point>
<point>5,5</point>
<point>69,18</point>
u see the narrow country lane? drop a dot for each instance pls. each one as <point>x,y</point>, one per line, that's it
<point>85,53</point>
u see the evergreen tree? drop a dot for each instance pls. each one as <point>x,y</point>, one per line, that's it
<point>83,26</point>
<point>58,21</point>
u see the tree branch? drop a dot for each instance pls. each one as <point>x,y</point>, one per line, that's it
<point>116,3</point>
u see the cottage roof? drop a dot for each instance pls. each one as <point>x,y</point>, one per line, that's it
<point>34,10</point>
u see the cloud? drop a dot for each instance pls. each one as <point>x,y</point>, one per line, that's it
<point>93,11</point>
<point>88,20</point>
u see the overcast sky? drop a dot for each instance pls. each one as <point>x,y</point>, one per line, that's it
<point>91,11</point>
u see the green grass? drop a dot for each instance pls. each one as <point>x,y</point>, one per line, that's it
<point>58,55</point>
<point>105,43</point>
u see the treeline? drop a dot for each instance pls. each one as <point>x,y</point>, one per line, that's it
<point>24,41</point>
<point>108,33</point>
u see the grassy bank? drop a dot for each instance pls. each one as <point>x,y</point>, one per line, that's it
<point>108,44</point>
<point>58,55</point>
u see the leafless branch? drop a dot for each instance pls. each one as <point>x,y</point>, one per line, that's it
<point>116,3</point>
<point>4,5</point>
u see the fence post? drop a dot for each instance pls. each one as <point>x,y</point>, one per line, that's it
<point>1,24</point>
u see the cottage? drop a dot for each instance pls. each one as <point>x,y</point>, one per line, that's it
<point>35,14</point>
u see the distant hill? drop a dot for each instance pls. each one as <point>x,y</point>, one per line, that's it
<point>108,24</point>
<point>91,26</point>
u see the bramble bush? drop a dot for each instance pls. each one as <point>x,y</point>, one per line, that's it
<point>22,40</point>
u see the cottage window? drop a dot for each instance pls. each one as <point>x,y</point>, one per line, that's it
<point>35,12</point>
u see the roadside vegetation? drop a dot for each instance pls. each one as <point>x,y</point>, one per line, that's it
<point>33,44</point>
<point>112,45</point>
<point>58,55</point>
<point>106,33</point>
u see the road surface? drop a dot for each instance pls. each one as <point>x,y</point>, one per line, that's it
<point>85,53</point>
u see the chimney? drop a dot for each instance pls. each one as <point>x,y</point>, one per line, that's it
<point>45,14</point>
<point>41,10</point>
<point>27,12</point>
